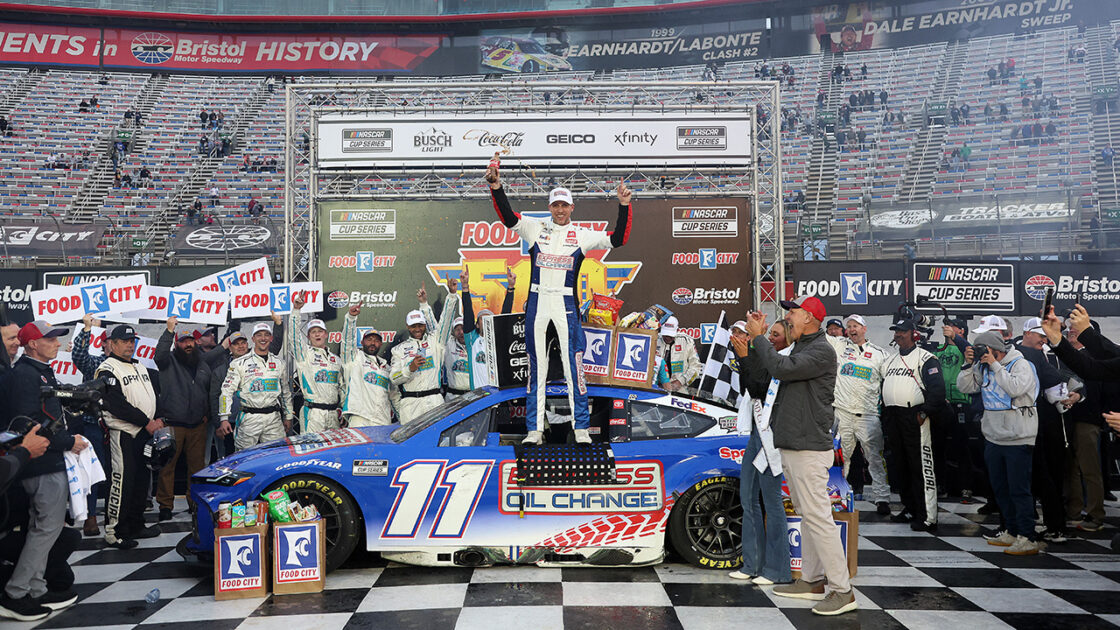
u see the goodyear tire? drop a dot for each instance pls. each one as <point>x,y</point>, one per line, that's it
<point>706,525</point>
<point>530,67</point>
<point>341,524</point>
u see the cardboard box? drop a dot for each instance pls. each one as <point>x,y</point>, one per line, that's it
<point>635,353</point>
<point>299,553</point>
<point>849,538</point>
<point>241,562</point>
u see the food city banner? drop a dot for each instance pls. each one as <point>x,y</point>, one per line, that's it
<point>61,304</point>
<point>692,256</point>
<point>986,216</point>
<point>35,238</point>
<point>588,137</point>
<point>166,49</point>
<point>846,288</point>
<point>211,240</point>
<point>145,351</point>
<point>196,306</point>
<point>251,273</point>
<point>64,369</point>
<point>262,300</point>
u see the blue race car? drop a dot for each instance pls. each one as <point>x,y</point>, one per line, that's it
<point>444,490</point>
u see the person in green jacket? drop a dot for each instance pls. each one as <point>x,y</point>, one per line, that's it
<point>953,461</point>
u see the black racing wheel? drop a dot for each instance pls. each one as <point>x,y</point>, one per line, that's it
<point>706,525</point>
<point>341,522</point>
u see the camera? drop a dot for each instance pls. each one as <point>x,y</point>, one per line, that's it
<point>20,425</point>
<point>84,398</point>
<point>979,350</point>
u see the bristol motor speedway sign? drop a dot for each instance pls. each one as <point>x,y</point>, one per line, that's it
<point>1096,286</point>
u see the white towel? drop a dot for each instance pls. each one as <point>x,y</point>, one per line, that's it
<point>82,471</point>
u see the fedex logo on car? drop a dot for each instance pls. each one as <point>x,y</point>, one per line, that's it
<point>297,553</point>
<point>240,563</point>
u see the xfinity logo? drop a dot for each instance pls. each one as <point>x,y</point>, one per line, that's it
<point>626,138</point>
<point>570,138</point>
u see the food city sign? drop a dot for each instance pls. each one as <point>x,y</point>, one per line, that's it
<point>347,140</point>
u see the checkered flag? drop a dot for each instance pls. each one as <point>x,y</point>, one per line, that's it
<point>720,377</point>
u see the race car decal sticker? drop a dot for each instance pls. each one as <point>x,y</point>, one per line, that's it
<point>416,484</point>
<point>639,487</point>
<point>610,530</point>
<point>370,468</point>
<point>332,438</point>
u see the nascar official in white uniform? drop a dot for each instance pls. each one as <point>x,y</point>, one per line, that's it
<point>416,362</point>
<point>368,393</point>
<point>259,379</point>
<point>680,356</point>
<point>318,370</point>
<point>449,333</point>
<point>859,380</point>
<point>913,392</point>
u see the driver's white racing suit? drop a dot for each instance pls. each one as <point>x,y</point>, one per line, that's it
<point>683,362</point>
<point>455,370</point>
<point>261,383</point>
<point>859,379</point>
<point>368,392</point>
<point>318,370</point>
<point>420,390</point>
<point>557,251</point>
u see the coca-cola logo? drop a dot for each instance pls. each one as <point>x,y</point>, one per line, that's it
<point>517,347</point>
<point>489,139</point>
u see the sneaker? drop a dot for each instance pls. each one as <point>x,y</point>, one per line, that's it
<point>534,437</point>
<point>837,603</point>
<point>1090,526</point>
<point>763,581</point>
<point>739,575</point>
<point>1052,536</point>
<point>922,526</point>
<point>800,589</point>
<point>901,517</point>
<point>164,514</point>
<point>988,508</point>
<point>966,497</point>
<point>1000,539</point>
<point>122,543</point>
<point>22,609</point>
<point>582,436</point>
<point>1023,546</point>
<point>57,600</point>
<point>150,531</point>
<point>883,508</point>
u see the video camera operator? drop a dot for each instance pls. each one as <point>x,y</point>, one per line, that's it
<point>26,596</point>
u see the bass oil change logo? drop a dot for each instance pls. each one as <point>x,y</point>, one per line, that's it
<point>639,487</point>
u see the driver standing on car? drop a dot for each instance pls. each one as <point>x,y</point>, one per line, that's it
<point>416,362</point>
<point>318,370</point>
<point>557,249</point>
<point>259,379</point>
<point>366,376</point>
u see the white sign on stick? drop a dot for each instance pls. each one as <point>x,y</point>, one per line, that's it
<point>145,346</point>
<point>64,369</point>
<point>261,300</point>
<point>246,274</point>
<point>62,304</point>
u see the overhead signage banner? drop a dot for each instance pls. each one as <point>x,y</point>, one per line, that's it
<point>263,300</point>
<point>588,138</point>
<point>62,304</point>
<point>211,240</point>
<point>34,238</point>
<point>968,287</point>
<point>694,277</point>
<point>846,288</point>
<point>1096,286</point>
<point>984,217</point>
<point>70,278</point>
<point>15,293</point>
<point>250,273</point>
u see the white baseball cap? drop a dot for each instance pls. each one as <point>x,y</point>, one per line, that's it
<point>1034,325</point>
<point>458,321</point>
<point>414,317</point>
<point>262,326</point>
<point>990,322</point>
<point>855,318</point>
<point>560,194</point>
<point>316,323</point>
<point>741,325</point>
<point>669,327</point>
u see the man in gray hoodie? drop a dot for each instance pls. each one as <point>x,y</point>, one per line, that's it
<point>1008,385</point>
<point>802,425</point>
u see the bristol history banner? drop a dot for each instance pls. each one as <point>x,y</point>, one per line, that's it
<point>690,255</point>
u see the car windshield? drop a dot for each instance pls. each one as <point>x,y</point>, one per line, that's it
<point>531,47</point>
<point>427,419</point>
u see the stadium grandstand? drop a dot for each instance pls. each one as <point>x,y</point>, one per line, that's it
<point>888,138</point>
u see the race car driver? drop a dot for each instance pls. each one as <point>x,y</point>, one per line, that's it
<point>318,369</point>
<point>859,380</point>
<point>415,364</point>
<point>259,380</point>
<point>368,394</point>
<point>557,249</point>
<point>679,354</point>
<point>448,332</point>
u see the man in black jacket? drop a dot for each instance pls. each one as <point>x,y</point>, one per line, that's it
<point>802,425</point>
<point>44,479</point>
<point>184,406</point>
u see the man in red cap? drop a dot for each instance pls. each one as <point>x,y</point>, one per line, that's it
<point>802,425</point>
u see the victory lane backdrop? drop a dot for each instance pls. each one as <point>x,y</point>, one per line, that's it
<point>691,256</point>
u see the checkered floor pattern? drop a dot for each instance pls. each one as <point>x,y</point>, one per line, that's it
<point>905,580</point>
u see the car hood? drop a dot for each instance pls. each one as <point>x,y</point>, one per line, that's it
<point>323,445</point>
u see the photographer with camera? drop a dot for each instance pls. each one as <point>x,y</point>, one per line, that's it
<point>26,596</point>
<point>1008,386</point>
<point>129,411</point>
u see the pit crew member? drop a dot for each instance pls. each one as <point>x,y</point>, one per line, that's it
<point>259,379</point>
<point>415,364</point>
<point>680,356</point>
<point>449,333</point>
<point>472,328</point>
<point>318,369</point>
<point>368,393</point>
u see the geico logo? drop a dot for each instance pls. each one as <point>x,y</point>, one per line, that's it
<point>570,138</point>
<point>487,233</point>
<point>828,288</point>
<point>716,294</point>
<point>61,304</point>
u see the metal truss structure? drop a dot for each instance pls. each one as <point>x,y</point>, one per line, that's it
<point>306,184</point>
